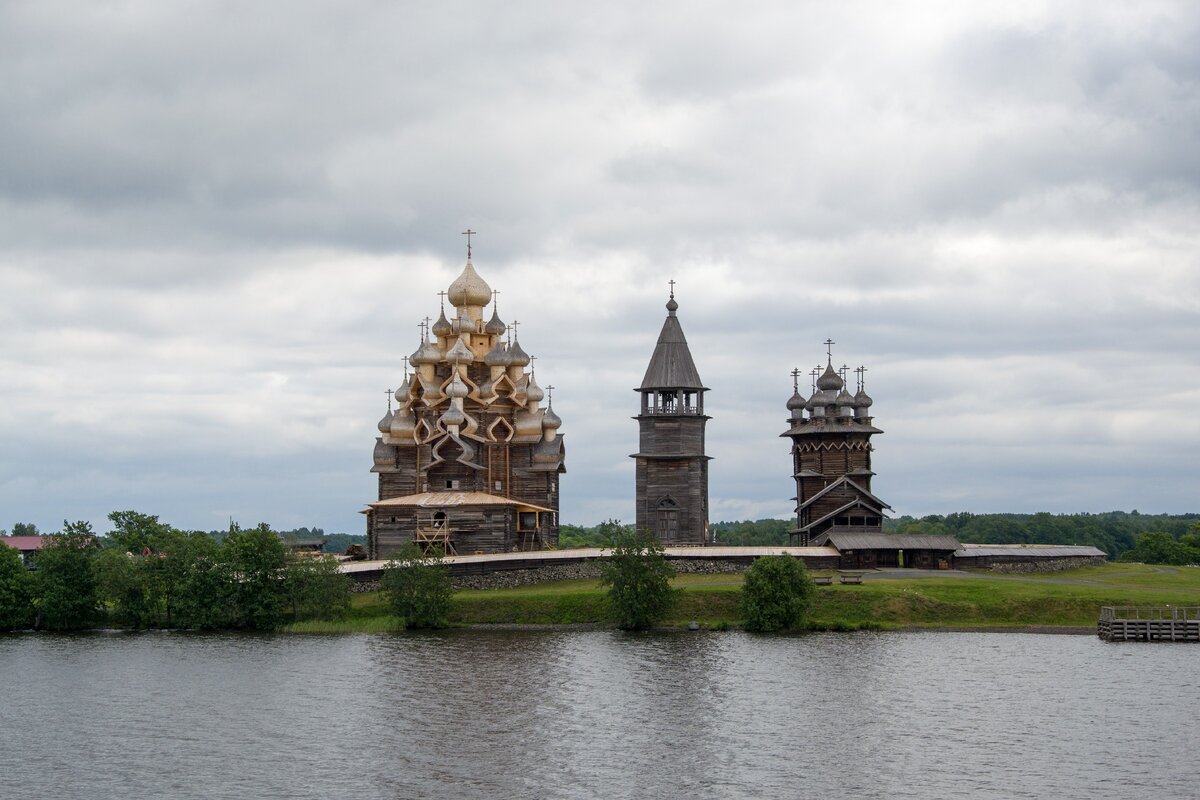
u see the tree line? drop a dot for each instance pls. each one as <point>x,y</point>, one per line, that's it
<point>146,574</point>
<point>1114,532</point>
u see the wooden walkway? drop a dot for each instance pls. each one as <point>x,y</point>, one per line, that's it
<point>1149,624</point>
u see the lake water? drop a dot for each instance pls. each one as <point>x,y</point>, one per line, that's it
<point>570,714</point>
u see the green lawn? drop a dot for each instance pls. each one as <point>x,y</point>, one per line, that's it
<point>980,600</point>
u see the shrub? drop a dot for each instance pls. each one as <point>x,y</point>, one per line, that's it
<point>776,594</point>
<point>638,580</point>
<point>418,587</point>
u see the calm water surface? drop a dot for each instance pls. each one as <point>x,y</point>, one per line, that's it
<point>559,714</point>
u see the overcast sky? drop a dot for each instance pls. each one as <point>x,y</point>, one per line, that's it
<point>220,224</point>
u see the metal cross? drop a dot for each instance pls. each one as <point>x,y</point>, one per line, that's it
<point>443,296</point>
<point>531,364</point>
<point>672,282</point>
<point>389,394</point>
<point>550,395</point>
<point>815,372</point>
<point>862,378</point>
<point>495,294</point>
<point>796,380</point>
<point>514,328</point>
<point>843,372</point>
<point>469,233</point>
<point>829,343</point>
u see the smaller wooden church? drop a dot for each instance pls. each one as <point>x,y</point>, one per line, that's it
<point>831,434</point>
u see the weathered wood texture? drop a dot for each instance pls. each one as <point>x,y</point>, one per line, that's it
<point>671,478</point>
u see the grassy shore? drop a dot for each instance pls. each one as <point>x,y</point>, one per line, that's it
<point>975,600</point>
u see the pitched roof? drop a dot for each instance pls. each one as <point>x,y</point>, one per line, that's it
<point>889,541</point>
<point>671,366</point>
<point>450,499</point>
<point>25,544</point>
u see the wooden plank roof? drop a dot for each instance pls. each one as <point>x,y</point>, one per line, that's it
<point>888,541</point>
<point>454,499</point>
<point>671,366</point>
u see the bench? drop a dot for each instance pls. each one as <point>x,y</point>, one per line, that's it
<point>845,579</point>
<point>823,580</point>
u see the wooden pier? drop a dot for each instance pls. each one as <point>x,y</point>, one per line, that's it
<point>1149,624</point>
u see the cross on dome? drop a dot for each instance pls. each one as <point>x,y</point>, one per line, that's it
<point>469,233</point>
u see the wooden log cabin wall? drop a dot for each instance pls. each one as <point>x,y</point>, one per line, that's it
<point>468,460</point>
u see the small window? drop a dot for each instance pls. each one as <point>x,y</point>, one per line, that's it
<point>527,520</point>
<point>498,486</point>
<point>451,484</point>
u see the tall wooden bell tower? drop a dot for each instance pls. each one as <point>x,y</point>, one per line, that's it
<point>672,469</point>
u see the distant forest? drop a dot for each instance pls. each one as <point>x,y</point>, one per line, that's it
<point>1114,532</point>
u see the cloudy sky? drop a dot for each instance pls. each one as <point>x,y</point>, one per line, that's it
<point>220,224</point>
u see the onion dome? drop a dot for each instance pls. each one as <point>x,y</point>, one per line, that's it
<point>862,399</point>
<point>385,424</point>
<point>516,356</point>
<point>814,401</point>
<point>845,403</point>
<point>469,289</point>
<point>453,416</point>
<point>830,379</point>
<point>403,424</point>
<point>427,353</point>
<point>456,388</point>
<point>796,402</point>
<point>497,356</point>
<point>494,326</point>
<point>533,392</point>
<point>442,326</point>
<point>404,391</point>
<point>672,306</point>
<point>550,420</point>
<point>462,324</point>
<point>383,455</point>
<point>460,352</point>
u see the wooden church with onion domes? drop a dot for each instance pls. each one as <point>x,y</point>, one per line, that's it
<point>468,459</point>
<point>831,456</point>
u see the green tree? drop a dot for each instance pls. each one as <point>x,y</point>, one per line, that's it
<point>418,587</point>
<point>198,584</point>
<point>316,589</point>
<point>638,579</point>
<point>1158,547</point>
<point>776,594</point>
<point>136,532</point>
<point>24,529</point>
<point>257,561</point>
<point>131,585</point>
<point>16,590</point>
<point>66,596</point>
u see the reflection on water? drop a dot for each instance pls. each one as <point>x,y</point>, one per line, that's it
<point>558,714</point>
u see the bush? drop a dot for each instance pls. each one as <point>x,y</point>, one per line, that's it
<point>418,588</point>
<point>317,589</point>
<point>638,577</point>
<point>776,594</point>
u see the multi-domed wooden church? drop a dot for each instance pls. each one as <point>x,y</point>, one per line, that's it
<point>468,460</point>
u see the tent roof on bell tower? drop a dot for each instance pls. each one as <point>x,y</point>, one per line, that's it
<point>671,366</point>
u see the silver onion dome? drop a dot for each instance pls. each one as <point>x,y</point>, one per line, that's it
<point>517,356</point>
<point>442,326</point>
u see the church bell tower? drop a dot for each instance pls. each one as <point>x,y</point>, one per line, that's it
<point>672,469</point>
